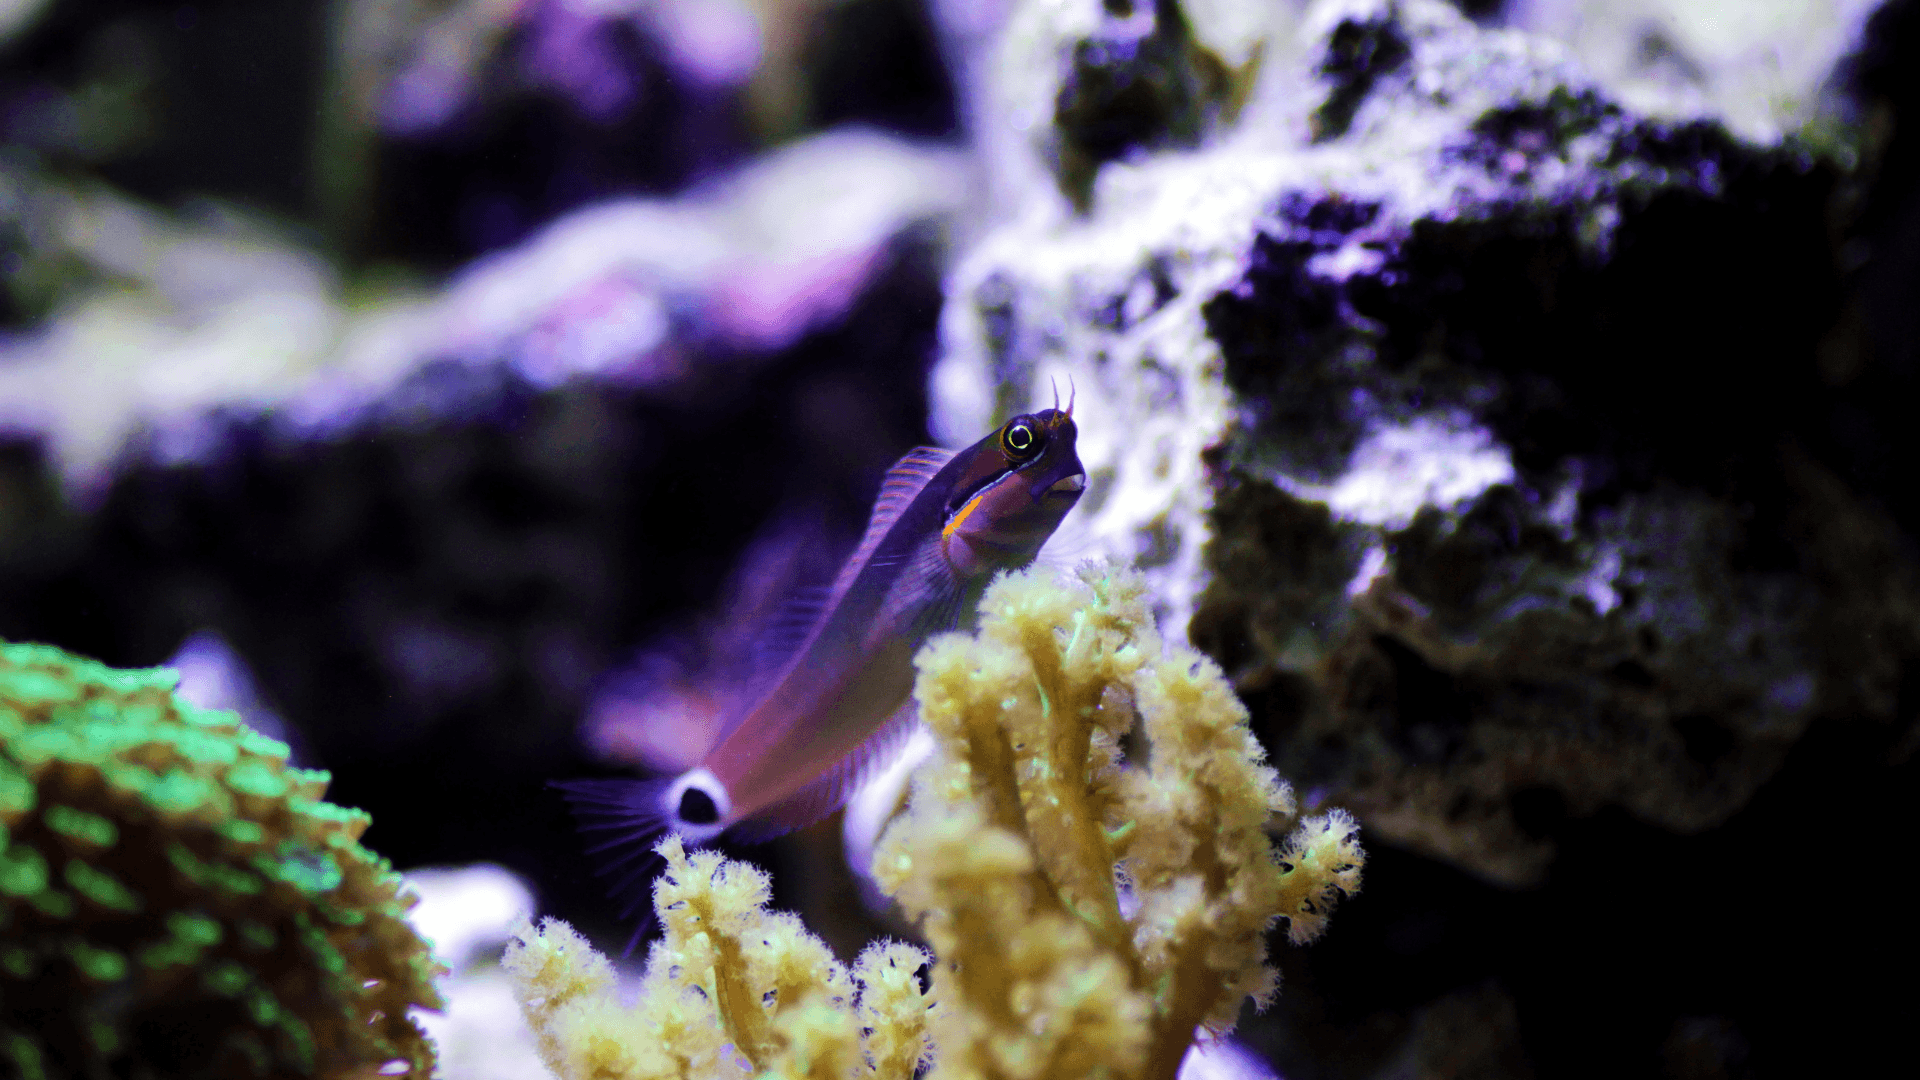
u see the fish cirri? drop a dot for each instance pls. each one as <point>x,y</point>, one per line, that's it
<point>945,522</point>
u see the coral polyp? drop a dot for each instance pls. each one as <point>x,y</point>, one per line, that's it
<point>177,901</point>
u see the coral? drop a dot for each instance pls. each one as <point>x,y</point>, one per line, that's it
<point>730,987</point>
<point>468,914</point>
<point>175,901</point>
<point>1052,964</point>
<point>1089,915</point>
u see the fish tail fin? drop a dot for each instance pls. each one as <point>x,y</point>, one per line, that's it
<point>620,820</point>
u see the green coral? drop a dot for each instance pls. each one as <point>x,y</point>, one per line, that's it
<point>176,901</point>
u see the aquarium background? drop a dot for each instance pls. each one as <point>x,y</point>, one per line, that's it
<point>453,386</point>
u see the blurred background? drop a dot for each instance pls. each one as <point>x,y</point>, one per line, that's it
<point>451,385</point>
<point>403,368</point>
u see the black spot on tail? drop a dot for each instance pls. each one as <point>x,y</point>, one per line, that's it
<point>697,807</point>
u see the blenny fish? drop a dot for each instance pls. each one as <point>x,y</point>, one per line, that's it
<point>839,701</point>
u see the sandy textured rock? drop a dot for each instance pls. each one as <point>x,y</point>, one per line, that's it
<point>190,319</point>
<point>1763,67</point>
<point>1455,402</point>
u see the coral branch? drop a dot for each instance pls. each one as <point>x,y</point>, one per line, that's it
<point>893,1008</point>
<point>1046,972</point>
<point>732,990</point>
<point>1089,915</point>
<point>1320,866</point>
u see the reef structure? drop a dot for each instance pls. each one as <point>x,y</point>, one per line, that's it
<point>177,901</point>
<point>1470,414</point>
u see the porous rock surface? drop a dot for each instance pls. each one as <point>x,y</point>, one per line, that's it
<point>1459,409</point>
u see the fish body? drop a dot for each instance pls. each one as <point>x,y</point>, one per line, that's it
<point>944,524</point>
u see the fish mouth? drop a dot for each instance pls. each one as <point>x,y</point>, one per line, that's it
<point>1070,485</point>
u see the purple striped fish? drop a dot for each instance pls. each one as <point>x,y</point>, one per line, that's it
<point>836,705</point>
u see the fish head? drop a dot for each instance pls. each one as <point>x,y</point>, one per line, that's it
<point>1051,471</point>
<point>1018,486</point>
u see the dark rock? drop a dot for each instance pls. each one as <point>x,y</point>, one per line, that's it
<point>1358,54</point>
<point>1138,82</point>
<point>1517,481</point>
<point>877,62</point>
<point>1522,437</point>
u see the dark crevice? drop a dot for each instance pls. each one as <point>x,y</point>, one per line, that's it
<point>1358,54</point>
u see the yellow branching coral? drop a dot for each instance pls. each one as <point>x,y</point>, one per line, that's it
<point>1054,964</point>
<point>732,990</point>
<point>1089,914</point>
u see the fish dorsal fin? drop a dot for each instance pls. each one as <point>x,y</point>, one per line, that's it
<point>904,482</point>
<point>833,788</point>
<point>787,630</point>
<point>788,633</point>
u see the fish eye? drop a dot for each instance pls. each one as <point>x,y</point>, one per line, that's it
<point>1021,439</point>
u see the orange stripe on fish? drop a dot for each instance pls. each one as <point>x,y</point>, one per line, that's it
<point>946,533</point>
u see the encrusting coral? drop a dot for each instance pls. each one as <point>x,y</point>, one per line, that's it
<point>1090,916</point>
<point>175,901</point>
